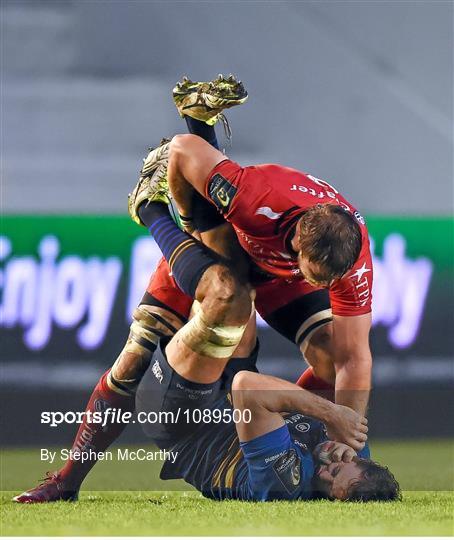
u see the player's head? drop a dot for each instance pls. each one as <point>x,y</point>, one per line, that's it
<point>359,480</point>
<point>329,243</point>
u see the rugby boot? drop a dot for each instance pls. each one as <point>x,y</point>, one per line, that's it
<point>51,489</point>
<point>205,101</point>
<point>152,185</point>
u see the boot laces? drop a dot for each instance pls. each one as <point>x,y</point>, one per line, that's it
<point>50,477</point>
<point>227,129</point>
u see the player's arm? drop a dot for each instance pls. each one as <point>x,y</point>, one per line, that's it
<point>267,397</point>
<point>352,360</point>
<point>191,159</point>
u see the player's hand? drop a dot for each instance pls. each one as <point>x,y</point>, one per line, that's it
<point>348,427</point>
<point>333,452</point>
<point>187,224</point>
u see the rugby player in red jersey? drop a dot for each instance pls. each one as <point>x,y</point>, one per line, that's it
<point>309,247</point>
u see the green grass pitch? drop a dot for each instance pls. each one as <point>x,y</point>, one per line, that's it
<point>424,469</point>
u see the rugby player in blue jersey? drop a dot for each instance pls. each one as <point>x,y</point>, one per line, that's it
<point>258,452</point>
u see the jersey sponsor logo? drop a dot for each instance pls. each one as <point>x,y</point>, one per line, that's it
<point>328,191</point>
<point>360,272</point>
<point>322,183</point>
<point>221,192</point>
<point>303,428</point>
<point>268,212</point>
<point>362,285</point>
<point>288,470</point>
<point>315,193</point>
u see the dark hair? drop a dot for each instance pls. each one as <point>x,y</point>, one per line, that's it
<point>330,236</point>
<point>377,483</point>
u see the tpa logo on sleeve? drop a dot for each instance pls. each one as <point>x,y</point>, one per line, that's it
<point>221,192</point>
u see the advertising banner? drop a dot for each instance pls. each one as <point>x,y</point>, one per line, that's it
<point>69,284</point>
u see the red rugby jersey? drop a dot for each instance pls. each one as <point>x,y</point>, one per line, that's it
<point>264,202</point>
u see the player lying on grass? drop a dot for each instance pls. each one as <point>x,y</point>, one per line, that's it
<point>264,455</point>
<point>164,309</point>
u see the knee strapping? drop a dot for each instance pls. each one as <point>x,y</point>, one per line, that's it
<point>145,331</point>
<point>124,387</point>
<point>219,341</point>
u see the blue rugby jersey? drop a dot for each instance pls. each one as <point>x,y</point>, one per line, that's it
<point>278,465</point>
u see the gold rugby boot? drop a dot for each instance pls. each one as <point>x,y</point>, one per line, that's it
<point>152,185</point>
<point>205,101</point>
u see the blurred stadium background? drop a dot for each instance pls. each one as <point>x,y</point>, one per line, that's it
<point>357,93</point>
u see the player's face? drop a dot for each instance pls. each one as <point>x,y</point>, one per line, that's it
<point>335,479</point>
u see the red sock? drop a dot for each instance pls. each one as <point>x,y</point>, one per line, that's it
<point>93,436</point>
<point>314,384</point>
